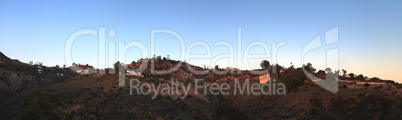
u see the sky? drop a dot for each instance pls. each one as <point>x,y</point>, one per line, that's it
<point>368,33</point>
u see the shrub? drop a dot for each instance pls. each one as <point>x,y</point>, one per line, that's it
<point>293,79</point>
<point>227,112</point>
<point>361,95</point>
<point>366,85</point>
<point>394,92</point>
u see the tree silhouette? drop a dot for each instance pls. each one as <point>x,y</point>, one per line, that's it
<point>309,68</point>
<point>158,59</point>
<point>328,70</point>
<point>375,79</point>
<point>321,73</point>
<point>344,72</point>
<point>264,64</point>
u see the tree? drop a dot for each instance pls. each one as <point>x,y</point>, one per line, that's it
<point>352,76</point>
<point>277,68</point>
<point>360,77</point>
<point>328,70</point>
<point>309,68</point>
<point>117,66</point>
<point>265,64</point>
<point>106,70</point>
<point>344,72</point>
<point>375,79</point>
<point>216,67</point>
<point>321,73</point>
<point>337,73</point>
<point>158,59</point>
<point>188,80</point>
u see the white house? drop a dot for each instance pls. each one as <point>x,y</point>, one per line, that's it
<point>133,73</point>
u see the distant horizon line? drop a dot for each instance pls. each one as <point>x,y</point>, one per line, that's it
<point>209,67</point>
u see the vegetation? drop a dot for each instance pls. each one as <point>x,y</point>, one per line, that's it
<point>99,97</point>
<point>264,64</point>
<point>39,105</point>
<point>293,78</point>
<point>366,85</point>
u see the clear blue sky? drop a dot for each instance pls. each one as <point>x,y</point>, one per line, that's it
<point>370,32</point>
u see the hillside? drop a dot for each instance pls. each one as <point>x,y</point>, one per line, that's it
<point>96,96</point>
<point>4,58</point>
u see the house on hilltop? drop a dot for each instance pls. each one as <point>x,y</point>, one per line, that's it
<point>264,78</point>
<point>282,70</point>
<point>231,68</point>
<point>84,69</point>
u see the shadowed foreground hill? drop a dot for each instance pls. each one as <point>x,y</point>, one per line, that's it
<point>17,77</point>
<point>89,97</point>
